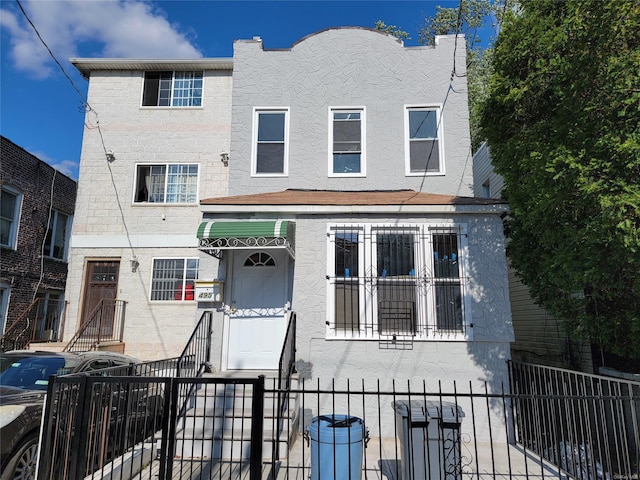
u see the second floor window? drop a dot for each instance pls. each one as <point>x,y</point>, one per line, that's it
<point>270,146</point>
<point>10,204</point>
<point>55,245</point>
<point>423,145</point>
<point>167,183</point>
<point>346,142</point>
<point>172,89</point>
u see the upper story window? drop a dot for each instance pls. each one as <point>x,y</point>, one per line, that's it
<point>10,205</point>
<point>55,245</point>
<point>346,142</point>
<point>167,183</point>
<point>397,280</point>
<point>174,279</point>
<point>172,89</point>
<point>270,133</point>
<point>423,141</point>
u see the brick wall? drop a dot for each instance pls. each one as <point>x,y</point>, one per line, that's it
<point>24,268</point>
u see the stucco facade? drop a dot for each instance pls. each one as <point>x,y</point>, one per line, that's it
<point>375,75</point>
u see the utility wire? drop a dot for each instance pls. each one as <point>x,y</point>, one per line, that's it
<point>88,108</point>
<point>84,100</point>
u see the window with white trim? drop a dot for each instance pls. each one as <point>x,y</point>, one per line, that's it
<point>172,89</point>
<point>423,141</point>
<point>346,142</point>
<point>270,146</point>
<point>10,205</point>
<point>173,279</point>
<point>166,183</point>
<point>397,281</point>
<point>5,292</point>
<point>57,239</point>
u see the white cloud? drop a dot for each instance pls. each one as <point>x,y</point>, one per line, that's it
<point>66,167</point>
<point>91,28</point>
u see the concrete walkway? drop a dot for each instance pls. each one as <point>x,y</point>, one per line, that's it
<point>380,462</point>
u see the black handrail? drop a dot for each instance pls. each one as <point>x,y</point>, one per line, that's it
<point>195,359</point>
<point>286,368</point>
<point>104,324</point>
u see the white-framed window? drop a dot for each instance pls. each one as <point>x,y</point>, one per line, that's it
<point>173,279</point>
<point>166,183</point>
<point>5,292</point>
<point>10,207</point>
<point>270,142</point>
<point>346,142</point>
<point>172,89</point>
<point>424,149</point>
<point>57,239</point>
<point>389,281</point>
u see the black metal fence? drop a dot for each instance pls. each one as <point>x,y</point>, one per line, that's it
<point>587,424</point>
<point>131,427</point>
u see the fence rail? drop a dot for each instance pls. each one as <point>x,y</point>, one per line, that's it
<point>42,321</point>
<point>409,431</point>
<point>587,424</point>
<point>104,324</point>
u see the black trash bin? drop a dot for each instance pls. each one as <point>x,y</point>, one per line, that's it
<point>429,436</point>
<point>336,447</point>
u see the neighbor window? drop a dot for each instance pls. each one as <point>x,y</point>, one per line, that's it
<point>423,145</point>
<point>174,279</point>
<point>270,146</point>
<point>55,245</point>
<point>395,280</point>
<point>10,205</point>
<point>346,142</point>
<point>172,89</point>
<point>167,183</point>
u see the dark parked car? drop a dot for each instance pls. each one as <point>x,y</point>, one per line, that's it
<point>24,378</point>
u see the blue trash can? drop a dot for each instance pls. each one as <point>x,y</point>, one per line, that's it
<point>336,447</point>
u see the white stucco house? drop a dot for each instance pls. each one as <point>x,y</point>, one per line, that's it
<point>350,202</point>
<point>332,179</point>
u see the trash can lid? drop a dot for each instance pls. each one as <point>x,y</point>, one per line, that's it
<point>423,409</point>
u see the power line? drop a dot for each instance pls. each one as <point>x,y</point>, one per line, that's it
<point>108,154</point>
<point>84,100</point>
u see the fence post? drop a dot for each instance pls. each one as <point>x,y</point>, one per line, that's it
<point>80,429</point>
<point>257,434</point>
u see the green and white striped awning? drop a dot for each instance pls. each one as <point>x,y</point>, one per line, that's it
<point>216,235</point>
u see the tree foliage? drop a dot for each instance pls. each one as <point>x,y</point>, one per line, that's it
<point>392,30</point>
<point>562,119</point>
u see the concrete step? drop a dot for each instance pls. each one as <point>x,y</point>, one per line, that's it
<point>218,423</point>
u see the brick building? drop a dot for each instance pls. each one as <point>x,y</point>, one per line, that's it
<point>36,213</point>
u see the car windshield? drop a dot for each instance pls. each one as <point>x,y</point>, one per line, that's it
<point>31,372</point>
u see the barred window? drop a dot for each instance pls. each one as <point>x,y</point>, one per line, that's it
<point>174,279</point>
<point>389,280</point>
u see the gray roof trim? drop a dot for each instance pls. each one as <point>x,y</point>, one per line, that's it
<point>86,65</point>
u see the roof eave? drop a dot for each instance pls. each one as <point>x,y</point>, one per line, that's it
<point>86,65</point>
<point>355,209</point>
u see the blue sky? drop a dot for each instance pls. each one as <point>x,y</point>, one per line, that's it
<point>40,109</point>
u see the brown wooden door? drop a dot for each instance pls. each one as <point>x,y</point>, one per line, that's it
<point>101,284</point>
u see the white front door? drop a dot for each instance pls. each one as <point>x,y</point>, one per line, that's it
<point>257,319</point>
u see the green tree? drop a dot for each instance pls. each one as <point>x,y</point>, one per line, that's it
<point>562,119</point>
